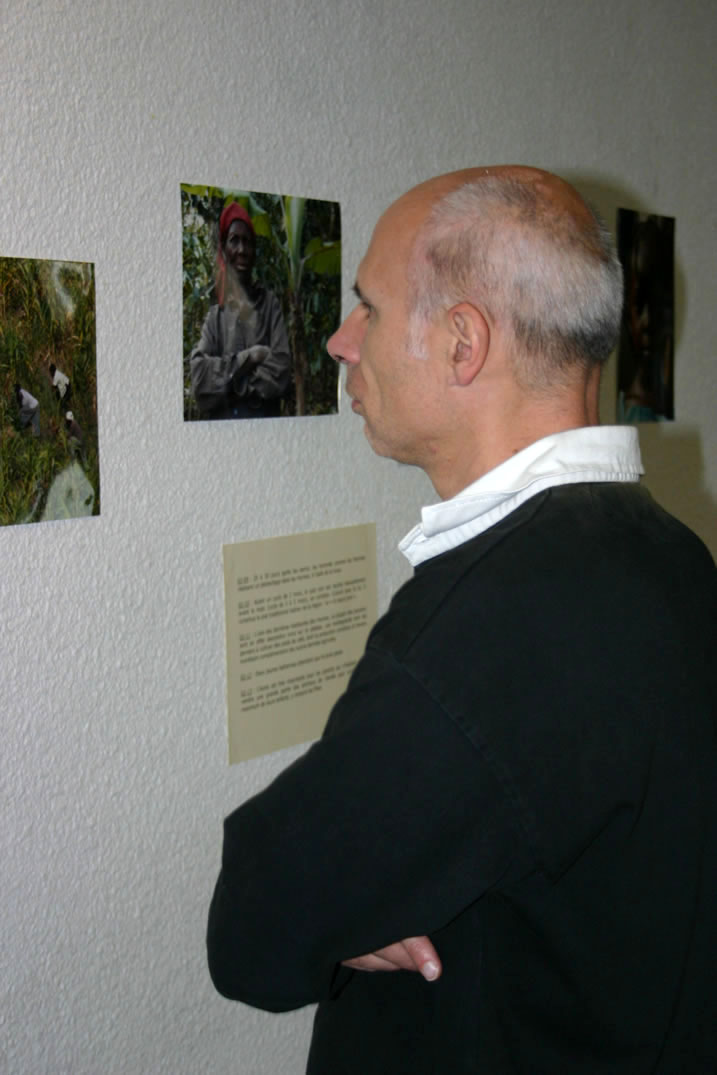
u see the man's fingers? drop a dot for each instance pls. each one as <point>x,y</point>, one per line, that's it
<point>413,954</point>
<point>371,962</point>
<point>424,956</point>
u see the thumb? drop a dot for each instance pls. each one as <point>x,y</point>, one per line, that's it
<point>424,956</point>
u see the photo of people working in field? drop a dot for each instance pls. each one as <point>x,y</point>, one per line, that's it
<point>49,457</point>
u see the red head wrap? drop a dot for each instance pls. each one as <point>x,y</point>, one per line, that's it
<point>230,213</point>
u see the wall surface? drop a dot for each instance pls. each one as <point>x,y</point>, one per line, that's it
<point>113,773</point>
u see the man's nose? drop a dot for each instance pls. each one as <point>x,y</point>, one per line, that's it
<point>344,345</point>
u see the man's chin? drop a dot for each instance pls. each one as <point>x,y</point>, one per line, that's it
<point>378,446</point>
<point>386,451</point>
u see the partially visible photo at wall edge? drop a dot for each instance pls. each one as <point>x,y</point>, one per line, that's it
<point>645,360</point>
<point>49,451</point>
<point>261,277</point>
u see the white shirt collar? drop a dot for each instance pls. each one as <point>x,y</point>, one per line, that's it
<point>590,454</point>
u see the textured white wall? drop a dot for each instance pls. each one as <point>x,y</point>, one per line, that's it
<point>113,764</point>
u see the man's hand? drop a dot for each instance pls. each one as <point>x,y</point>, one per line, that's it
<point>413,953</point>
<point>257,354</point>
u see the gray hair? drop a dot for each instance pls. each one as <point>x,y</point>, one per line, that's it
<point>555,281</point>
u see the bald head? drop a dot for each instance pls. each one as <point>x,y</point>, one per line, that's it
<point>523,246</point>
<point>551,188</point>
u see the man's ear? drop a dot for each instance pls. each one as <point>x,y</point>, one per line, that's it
<point>470,340</point>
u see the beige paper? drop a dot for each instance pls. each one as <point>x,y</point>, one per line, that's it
<point>298,612</point>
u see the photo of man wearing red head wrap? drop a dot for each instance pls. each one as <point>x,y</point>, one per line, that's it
<point>255,354</point>
<point>241,366</point>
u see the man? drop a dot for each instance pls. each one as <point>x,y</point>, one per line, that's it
<point>29,410</point>
<point>521,777</point>
<point>75,436</point>
<point>241,367</point>
<point>61,384</point>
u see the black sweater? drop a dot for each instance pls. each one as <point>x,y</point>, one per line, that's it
<point>524,767</point>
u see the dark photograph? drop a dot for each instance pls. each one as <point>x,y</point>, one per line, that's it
<point>645,374</point>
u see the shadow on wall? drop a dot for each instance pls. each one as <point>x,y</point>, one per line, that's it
<point>674,466</point>
<point>607,196</point>
<point>671,451</point>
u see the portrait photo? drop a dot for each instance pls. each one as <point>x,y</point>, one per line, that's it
<point>261,296</point>
<point>49,455</point>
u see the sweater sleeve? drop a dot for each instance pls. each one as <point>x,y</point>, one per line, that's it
<point>271,378</point>
<point>219,365</point>
<point>210,368</point>
<point>388,827</point>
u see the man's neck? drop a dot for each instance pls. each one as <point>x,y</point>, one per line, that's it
<point>473,454</point>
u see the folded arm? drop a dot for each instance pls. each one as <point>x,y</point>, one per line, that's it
<point>385,829</point>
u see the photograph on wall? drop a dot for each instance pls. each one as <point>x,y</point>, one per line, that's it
<point>261,280</point>
<point>645,360</point>
<point>49,455</point>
